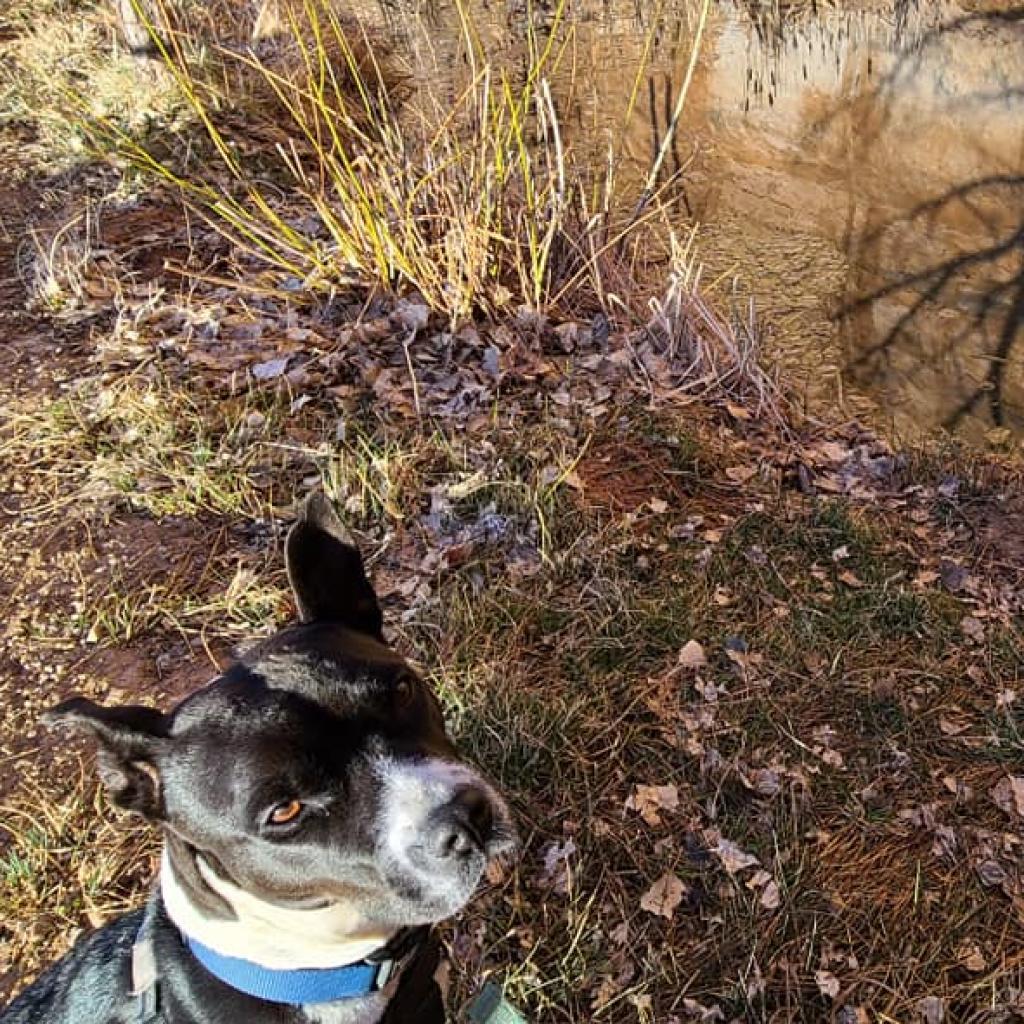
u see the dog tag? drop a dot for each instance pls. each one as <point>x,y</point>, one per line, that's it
<point>490,1007</point>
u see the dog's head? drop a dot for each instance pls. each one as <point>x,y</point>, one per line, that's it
<point>316,770</point>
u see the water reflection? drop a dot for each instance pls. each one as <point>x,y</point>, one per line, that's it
<point>860,165</point>
<point>959,305</point>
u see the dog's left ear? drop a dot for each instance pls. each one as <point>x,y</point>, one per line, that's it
<point>131,740</point>
<point>326,571</point>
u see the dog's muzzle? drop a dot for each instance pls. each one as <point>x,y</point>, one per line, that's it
<point>440,824</point>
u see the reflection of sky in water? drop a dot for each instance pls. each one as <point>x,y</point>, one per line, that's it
<point>831,156</point>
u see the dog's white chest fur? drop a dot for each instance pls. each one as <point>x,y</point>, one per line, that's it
<point>269,935</point>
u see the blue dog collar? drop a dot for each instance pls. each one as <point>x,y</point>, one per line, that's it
<point>298,987</point>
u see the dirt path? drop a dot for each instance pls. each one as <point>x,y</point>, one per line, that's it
<point>47,557</point>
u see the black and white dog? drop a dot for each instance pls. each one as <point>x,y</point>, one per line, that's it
<point>316,821</point>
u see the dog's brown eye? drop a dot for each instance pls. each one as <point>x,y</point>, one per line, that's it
<point>405,690</point>
<point>284,813</point>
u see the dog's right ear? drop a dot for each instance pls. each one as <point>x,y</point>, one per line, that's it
<point>131,739</point>
<point>326,571</point>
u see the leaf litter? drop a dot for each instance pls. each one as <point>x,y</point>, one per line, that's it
<point>751,736</point>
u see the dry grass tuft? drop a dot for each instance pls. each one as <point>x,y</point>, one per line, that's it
<point>715,355</point>
<point>477,206</point>
<point>63,53</point>
<point>144,441</point>
<point>68,861</point>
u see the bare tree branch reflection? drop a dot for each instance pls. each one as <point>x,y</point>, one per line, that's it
<point>986,281</point>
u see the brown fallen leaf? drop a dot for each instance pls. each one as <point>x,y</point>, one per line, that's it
<point>1008,795</point>
<point>741,474</point>
<point>663,898</point>
<point>572,479</point>
<point>851,579</point>
<point>732,857</point>
<point>700,1012</point>
<point>954,577</point>
<point>413,316</point>
<point>972,628</point>
<point>960,789</point>
<point>814,663</point>
<point>971,958</point>
<point>833,451</point>
<point>605,993</point>
<point>932,1010</point>
<point>828,983</point>
<point>556,865</point>
<point>945,843</point>
<point>692,655</point>
<point>771,897</point>
<point>764,781</point>
<point>648,801</point>
<point>642,1004</point>
<point>991,872</point>
<point>853,1015</point>
<point>832,758</point>
<point>951,726</point>
<point>271,369</point>
<point>828,482</point>
<point>737,412</point>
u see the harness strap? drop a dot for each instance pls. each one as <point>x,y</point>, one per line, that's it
<point>145,986</point>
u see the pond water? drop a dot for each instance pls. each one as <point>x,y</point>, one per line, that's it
<point>858,166</point>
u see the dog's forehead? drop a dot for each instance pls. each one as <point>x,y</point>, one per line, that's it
<point>325,663</point>
<point>340,684</point>
<point>328,642</point>
<point>331,667</point>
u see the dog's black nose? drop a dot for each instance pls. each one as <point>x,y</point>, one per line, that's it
<point>464,824</point>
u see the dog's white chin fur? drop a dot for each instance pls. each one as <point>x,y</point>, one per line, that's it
<point>269,935</point>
